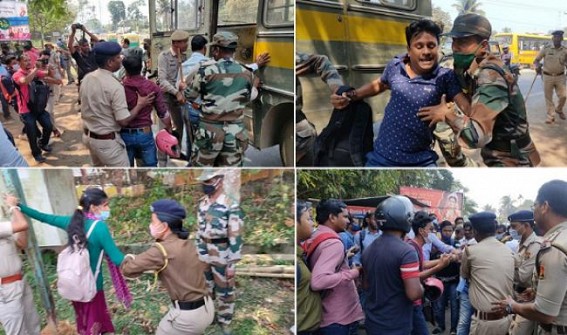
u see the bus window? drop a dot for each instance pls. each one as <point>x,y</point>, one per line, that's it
<point>187,14</point>
<point>406,4</point>
<point>279,13</point>
<point>233,12</point>
<point>164,16</point>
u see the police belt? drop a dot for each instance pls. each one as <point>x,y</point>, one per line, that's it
<point>96,136</point>
<point>215,240</point>
<point>549,328</point>
<point>487,316</point>
<point>506,144</point>
<point>11,279</point>
<point>188,305</point>
<point>553,74</point>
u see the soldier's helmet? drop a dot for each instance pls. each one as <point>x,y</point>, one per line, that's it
<point>208,174</point>
<point>395,213</point>
<point>225,39</point>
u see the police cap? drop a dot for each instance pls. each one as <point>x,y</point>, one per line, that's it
<point>168,208</point>
<point>470,24</point>
<point>482,221</point>
<point>225,39</point>
<point>557,33</point>
<point>179,35</point>
<point>107,49</point>
<point>521,216</point>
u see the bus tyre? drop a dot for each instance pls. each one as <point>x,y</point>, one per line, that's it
<point>287,144</point>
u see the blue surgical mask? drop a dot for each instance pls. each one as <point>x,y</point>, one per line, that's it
<point>514,234</point>
<point>104,215</point>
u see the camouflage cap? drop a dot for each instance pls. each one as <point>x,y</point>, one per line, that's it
<point>210,173</point>
<point>180,35</point>
<point>225,39</point>
<point>470,24</point>
<point>557,32</point>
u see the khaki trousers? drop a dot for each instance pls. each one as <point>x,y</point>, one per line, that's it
<point>18,315</point>
<point>193,322</point>
<point>107,152</point>
<point>522,326</point>
<point>495,327</point>
<point>551,83</point>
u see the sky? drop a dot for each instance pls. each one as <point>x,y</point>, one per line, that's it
<point>489,185</point>
<point>522,16</point>
<point>101,9</point>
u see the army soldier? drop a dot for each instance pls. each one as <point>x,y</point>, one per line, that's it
<point>175,261</point>
<point>521,229</point>
<point>305,131</point>
<point>489,267</point>
<point>225,87</point>
<point>555,60</point>
<point>219,242</point>
<point>169,62</point>
<point>549,308</point>
<point>496,120</point>
<point>18,316</point>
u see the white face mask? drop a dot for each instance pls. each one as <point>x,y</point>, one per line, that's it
<point>514,234</point>
<point>16,67</point>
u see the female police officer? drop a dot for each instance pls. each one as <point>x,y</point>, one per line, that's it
<point>175,260</point>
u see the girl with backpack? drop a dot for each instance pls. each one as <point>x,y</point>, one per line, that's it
<point>92,317</point>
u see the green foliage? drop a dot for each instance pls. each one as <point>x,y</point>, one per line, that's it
<point>117,12</point>
<point>48,16</point>
<point>468,6</point>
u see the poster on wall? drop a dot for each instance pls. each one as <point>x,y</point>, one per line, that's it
<point>446,205</point>
<point>14,21</point>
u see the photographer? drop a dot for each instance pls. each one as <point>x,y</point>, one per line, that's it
<point>84,56</point>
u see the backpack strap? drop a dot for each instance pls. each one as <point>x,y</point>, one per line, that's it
<point>99,263</point>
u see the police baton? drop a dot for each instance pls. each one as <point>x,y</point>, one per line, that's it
<point>531,86</point>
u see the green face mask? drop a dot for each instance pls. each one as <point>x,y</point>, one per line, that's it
<point>463,61</point>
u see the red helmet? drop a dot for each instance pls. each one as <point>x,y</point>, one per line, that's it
<point>433,288</point>
<point>167,144</point>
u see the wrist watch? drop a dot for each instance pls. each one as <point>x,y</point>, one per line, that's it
<point>509,309</point>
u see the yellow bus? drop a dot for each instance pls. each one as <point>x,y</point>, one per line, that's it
<point>262,26</point>
<point>524,47</point>
<point>360,37</point>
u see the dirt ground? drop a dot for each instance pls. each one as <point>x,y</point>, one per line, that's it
<point>68,150</point>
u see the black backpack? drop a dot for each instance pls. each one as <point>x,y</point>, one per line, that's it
<point>39,94</point>
<point>348,136</point>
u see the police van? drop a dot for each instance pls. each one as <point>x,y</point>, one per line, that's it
<point>261,26</point>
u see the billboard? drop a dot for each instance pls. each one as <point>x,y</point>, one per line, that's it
<point>446,205</point>
<point>14,21</point>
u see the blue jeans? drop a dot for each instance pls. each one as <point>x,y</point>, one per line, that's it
<point>465,314</point>
<point>375,159</point>
<point>140,145</point>
<point>337,329</point>
<point>30,121</point>
<point>419,323</point>
<point>449,296</point>
<point>5,106</point>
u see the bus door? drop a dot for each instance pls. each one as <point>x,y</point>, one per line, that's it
<point>321,27</point>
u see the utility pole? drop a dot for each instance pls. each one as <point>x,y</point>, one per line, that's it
<point>12,182</point>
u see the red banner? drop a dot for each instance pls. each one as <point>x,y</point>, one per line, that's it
<point>446,205</point>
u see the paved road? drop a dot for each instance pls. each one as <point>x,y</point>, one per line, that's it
<point>68,150</point>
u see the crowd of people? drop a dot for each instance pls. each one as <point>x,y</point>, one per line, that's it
<point>191,98</point>
<point>401,269</point>
<point>193,274</point>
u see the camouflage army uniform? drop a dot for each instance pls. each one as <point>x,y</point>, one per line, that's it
<point>219,243</point>
<point>305,131</point>
<point>225,87</point>
<point>498,121</point>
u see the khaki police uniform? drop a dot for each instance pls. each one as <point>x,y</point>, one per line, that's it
<point>103,102</point>
<point>489,267</point>
<point>523,278</point>
<point>18,315</point>
<point>182,275</point>
<point>551,275</point>
<point>555,60</point>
